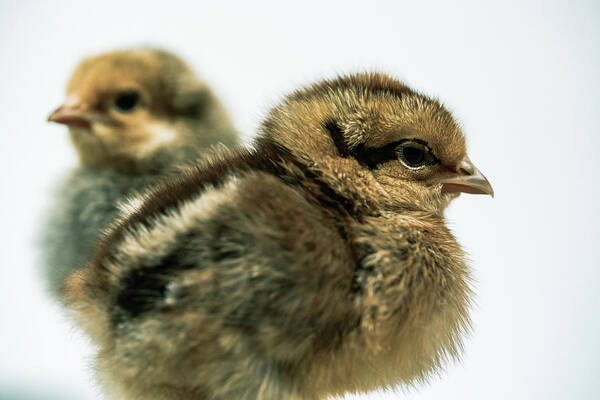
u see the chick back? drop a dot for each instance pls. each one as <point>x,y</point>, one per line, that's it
<point>244,281</point>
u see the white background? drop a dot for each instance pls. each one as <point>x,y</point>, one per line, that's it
<point>522,77</point>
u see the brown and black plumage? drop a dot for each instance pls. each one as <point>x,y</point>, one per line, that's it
<point>133,116</point>
<point>318,263</point>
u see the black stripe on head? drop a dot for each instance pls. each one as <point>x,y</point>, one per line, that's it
<point>372,157</point>
<point>337,135</point>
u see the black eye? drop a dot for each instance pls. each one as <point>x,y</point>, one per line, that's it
<point>126,102</point>
<point>415,155</point>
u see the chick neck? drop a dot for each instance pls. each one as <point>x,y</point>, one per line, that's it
<point>158,162</point>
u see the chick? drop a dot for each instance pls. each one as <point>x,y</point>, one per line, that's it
<point>133,116</point>
<point>316,264</point>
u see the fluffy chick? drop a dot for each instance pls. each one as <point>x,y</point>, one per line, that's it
<point>133,116</point>
<point>316,264</point>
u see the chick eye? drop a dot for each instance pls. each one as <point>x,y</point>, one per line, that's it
<point>126,102</point>
<point>415,155</point>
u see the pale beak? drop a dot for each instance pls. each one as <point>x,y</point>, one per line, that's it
<point>466,179</point>
<point>71,116</point>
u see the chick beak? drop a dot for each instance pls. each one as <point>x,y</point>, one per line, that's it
<point>71,114</point>
<point>466,179</point>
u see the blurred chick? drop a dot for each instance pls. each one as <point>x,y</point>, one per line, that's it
<point>316,264</point>
<point>133,116</point>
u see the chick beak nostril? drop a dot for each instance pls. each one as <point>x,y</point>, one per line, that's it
<point>465,167</point>
<point>466,178</point>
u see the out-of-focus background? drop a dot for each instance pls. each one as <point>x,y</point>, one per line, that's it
<point>522,77</point>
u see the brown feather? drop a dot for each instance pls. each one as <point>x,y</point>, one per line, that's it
<point>293,270</point>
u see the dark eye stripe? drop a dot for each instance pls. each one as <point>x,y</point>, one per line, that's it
<point>337,135</point>
<point>371,157</point>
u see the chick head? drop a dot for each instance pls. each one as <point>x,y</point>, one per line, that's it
<point>409,142</point>
<point>123,106</point>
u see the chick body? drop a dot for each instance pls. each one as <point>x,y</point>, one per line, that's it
<point>134,116</point>
<point>316,264</point>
